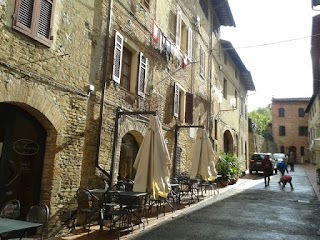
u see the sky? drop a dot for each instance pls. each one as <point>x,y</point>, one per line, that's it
<point>264,38</point>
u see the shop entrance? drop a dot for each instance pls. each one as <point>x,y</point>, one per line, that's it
<point>22,145</point>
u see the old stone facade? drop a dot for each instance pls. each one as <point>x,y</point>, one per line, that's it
<point>79,81</point>
<point>314,103</point>
<point>290,127</point>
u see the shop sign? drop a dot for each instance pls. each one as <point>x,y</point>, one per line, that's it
<point>25,147</point>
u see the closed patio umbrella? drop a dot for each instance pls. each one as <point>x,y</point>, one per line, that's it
<point>203,158</point>
<point>152,163</point>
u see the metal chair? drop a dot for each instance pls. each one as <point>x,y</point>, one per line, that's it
<point>115,210</point>
<point>11,209</point>
<point>38,214</point>
<point>88,205</point>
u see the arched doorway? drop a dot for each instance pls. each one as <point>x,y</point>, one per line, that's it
<point>22,146</point>
<point>129,150</point>
<point>292,154</point>
<point>227,142</point>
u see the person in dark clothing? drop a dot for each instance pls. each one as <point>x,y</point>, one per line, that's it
<point>291,161</point>
<point>267,168</point>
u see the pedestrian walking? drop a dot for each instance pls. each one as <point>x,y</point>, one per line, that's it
<point>286,179</point>
<point>291,161</point>
<point>267,168</point>
<point>282,167</point>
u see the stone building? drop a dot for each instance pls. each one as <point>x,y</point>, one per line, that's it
<point>290,127</point>
<point>232,115</point>
<point>80,79</point>
<point>314,103</point>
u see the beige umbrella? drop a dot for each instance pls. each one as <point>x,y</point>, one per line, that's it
<point>203,158</point>
<point>152,163</point>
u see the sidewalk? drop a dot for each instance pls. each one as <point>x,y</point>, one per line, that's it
<point>310,171</point>
<point>244,182</point>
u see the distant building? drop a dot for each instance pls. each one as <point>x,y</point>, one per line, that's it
<point>290,127</point>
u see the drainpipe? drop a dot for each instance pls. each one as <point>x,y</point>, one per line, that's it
<point>104,84</point>
<point>176,130</point>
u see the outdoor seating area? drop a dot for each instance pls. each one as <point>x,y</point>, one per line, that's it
<point>12,226</point>
<point>119,210</point>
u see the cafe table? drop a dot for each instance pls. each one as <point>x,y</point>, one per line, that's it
<point>130,196</point>
<point>10,226</point>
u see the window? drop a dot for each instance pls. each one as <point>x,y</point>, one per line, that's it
<point>145,4</point>
<point>189,108</point>
<point>34,18</point>
<point>282,149</point>
<point>281,112</point>
<point>225,90</point>
<point>302,151</point>
<point>303,131</point>
<point>202,62</point>
<point>126,63</point>
<point>301,112</point>
<point>180,33</point>
<point>182,104</point>
<point>126,69</point>
<point>282,131</point>
<point>204,6</point>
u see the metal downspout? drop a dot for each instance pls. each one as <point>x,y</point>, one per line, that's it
<point>104,83</point>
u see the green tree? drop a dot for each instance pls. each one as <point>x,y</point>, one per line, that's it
<point>260,120</point>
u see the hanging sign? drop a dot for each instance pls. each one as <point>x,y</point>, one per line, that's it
<point>25,147</point>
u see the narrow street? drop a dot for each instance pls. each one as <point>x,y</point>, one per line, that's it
<point>248,211</point>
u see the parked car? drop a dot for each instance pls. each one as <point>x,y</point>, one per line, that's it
<point>256,162</point>
<point>279,157</point>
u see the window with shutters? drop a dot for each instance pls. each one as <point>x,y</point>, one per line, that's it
<point>34,18</point>
<point>126,69</point>
<point>130,66</point>
<point>179,103</point>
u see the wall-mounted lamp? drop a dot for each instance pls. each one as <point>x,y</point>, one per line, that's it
<point>90,89</point>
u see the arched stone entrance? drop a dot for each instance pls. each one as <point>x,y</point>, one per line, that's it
<point>292,154</point>
<point>22,148</point>
<point>228,142</point>
<point>128,153</point>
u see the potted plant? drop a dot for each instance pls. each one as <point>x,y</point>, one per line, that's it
<point>228,168</point>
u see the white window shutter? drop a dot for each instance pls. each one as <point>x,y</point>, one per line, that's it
<point>189,44</point>
<point>178,30</point>
<point>142,77</point>
<point>176,100</point>
<point>117,57</point>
